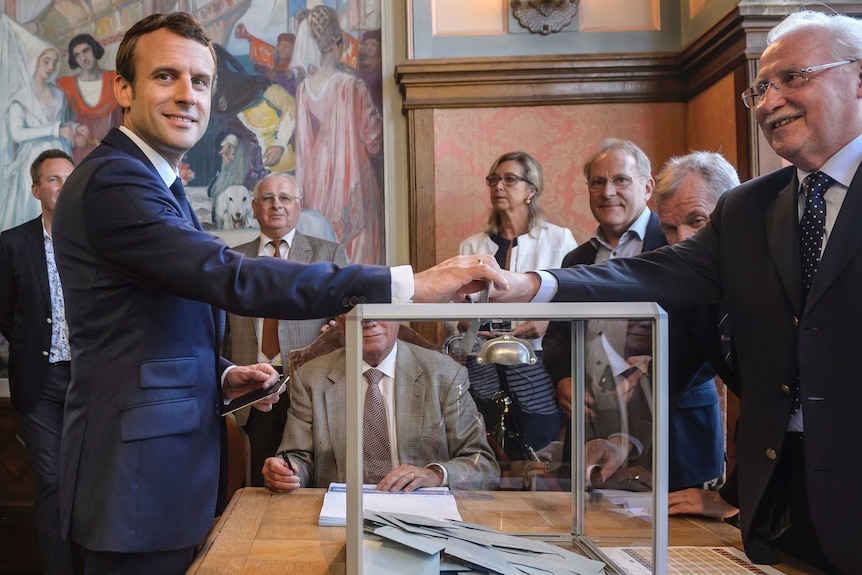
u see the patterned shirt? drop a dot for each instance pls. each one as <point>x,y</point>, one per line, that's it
<point>59,329</point>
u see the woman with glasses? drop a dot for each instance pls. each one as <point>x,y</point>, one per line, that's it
<point>520,239</point>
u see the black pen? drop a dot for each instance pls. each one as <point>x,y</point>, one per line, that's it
<point>290,464</point>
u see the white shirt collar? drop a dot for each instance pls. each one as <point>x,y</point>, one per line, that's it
<point>842,166</point>
<point>286,238</point>
<point>163,167</point>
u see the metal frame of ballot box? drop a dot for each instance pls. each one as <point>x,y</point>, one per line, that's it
<point>577,313</point>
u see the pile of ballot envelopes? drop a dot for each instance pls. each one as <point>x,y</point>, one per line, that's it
<point>416,545</point>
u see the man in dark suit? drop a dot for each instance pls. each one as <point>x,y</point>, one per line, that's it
<point>794,333</point>
<point>142,434</point>
<point>32,318</point>
<point>277,204</point>
<point>435,433</point>
<point>619,417</point>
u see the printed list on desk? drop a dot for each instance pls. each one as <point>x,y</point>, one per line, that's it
<point>431,502</point>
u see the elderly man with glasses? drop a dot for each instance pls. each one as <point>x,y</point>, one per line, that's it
<point>783,253</point>
<point>277,205</point>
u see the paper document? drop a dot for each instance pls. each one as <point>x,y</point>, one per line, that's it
<point>434,503</point>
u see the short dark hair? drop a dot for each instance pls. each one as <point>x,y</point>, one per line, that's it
<point>36,166</point>
<point>180,23</point>
<point>98,49</point>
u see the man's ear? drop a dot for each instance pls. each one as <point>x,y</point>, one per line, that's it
<point>123,92</point>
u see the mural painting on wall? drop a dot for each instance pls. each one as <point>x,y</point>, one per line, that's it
<point>299,90</point>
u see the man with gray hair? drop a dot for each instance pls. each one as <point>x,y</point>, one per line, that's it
<point>277,204</point>
<point>782,253</point>
<point>618,352</point>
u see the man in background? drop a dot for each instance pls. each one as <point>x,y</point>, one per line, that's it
<point>32,318</point>
<point>619,385</point>
<point>276,205</point>
<point>427,431</point>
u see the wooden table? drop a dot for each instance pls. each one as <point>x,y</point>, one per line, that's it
<point>262,533</point>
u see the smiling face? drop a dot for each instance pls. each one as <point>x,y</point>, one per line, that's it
<point>616,209</point>
<point>169,104</point>
<point>276,206</point>
<point>810,125</point>
<point>686,211</point>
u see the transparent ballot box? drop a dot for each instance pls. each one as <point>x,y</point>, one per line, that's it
<point>595,487</point>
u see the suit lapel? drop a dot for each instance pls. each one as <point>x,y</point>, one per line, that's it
<point>843,242</point>
<point>335,400</point>
<point>654,237</point>
<point>300,249</point>
<point>409,401</point>
<point>36,250</point>
<point>782,238</point>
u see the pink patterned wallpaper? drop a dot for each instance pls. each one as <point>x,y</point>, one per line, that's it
<point>561,138</point>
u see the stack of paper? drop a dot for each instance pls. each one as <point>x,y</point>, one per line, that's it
<point>398,542</point>
<point>432,502</point>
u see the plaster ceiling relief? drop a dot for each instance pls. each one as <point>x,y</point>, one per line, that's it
<point>544,16</point>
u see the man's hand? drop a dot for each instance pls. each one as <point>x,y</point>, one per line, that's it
<point>410,478</point>
<point>457,277</point>
<point>696,501</point>
<point>521,287</point>
<point>604,456</point>
<point>279,476</point>
<point>245,378</point>
<point>531,329</point>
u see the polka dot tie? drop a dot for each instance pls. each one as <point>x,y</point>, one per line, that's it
<point>812,227</point>
<point>377,454</point>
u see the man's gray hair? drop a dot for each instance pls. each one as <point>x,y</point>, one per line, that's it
<point>629,147</point>
<point>845,32</point>
<point>715,170</point>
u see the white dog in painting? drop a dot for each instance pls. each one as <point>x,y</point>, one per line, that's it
<point>232,208</point>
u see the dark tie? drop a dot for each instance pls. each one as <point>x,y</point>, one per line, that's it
<point>812,227</point>
<point>269,336</point>
<point>180,194</point>
<point>376,453</point>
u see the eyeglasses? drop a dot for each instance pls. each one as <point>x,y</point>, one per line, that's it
<point>509,180</point>
<point>283,199</point>
<point>598,184</point>
<point>787,83</point>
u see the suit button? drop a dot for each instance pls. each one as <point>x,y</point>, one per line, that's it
<point>45,354</point>
<point>770,454</point>
<point>785,389</point>
<point>345,302</point>
<point>48,320</point>
<point>795,321</point>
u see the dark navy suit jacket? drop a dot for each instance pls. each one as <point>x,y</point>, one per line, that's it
<point>25,310</point>
<point>141,441</point>
<point>748,257</point>
<point>696,451</point>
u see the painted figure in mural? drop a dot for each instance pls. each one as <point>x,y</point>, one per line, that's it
<point>272,61</point>
<point>254,118</point>
<point>38,117</point>
<point>338,131</point>
<point>90,93</point>
<point>370,66</point>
